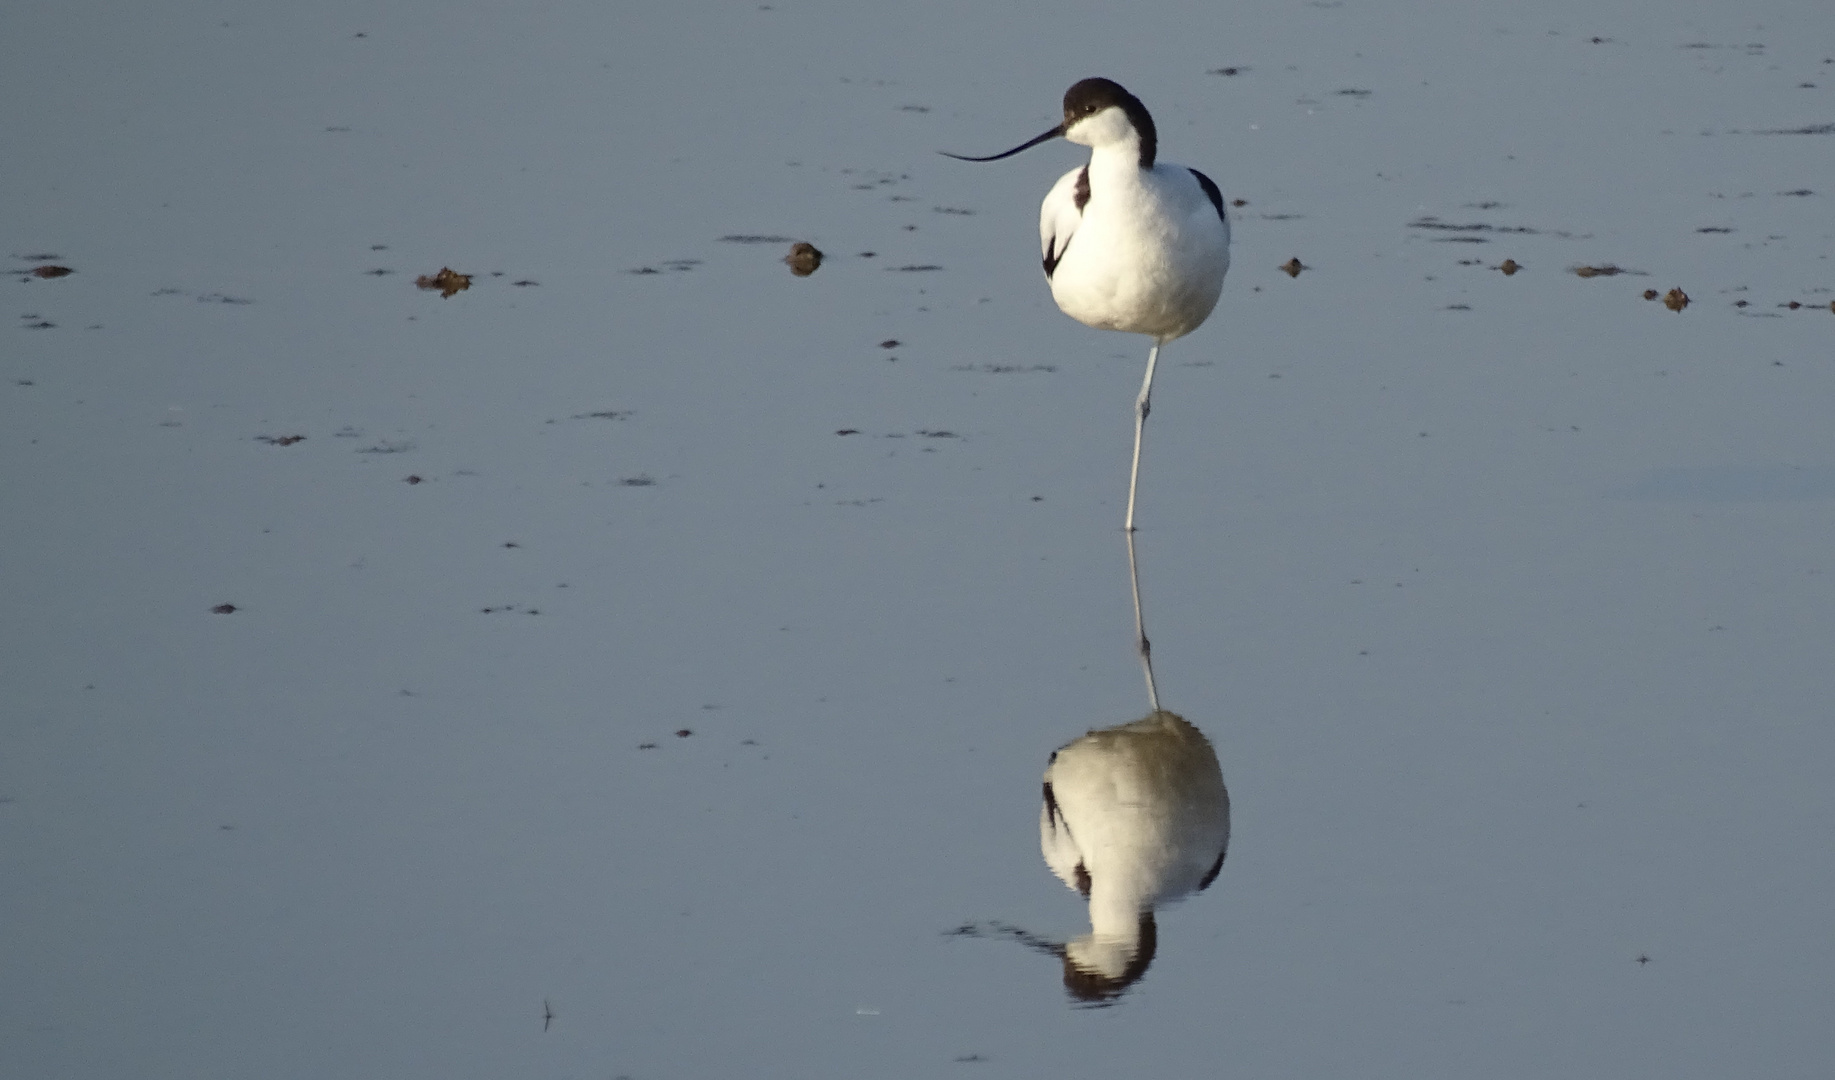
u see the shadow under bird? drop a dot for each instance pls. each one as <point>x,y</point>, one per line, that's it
<point>1130,243</point>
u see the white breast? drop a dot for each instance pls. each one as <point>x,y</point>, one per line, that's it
<point>1146,254</point>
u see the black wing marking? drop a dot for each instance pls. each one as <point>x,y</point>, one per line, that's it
<point>1216,867</point>
<point>1080,197</point>
<point>1213,193</point>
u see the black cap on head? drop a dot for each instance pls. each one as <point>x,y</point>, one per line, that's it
<point>1091,96</point>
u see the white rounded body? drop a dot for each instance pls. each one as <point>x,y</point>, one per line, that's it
<point>1145,254</point>
<point>1135,816</point>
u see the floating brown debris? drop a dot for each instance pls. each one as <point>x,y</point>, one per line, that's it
<point>280,440</point>
<point>890,343</point>
<point>1608,270</point>
<point>683,733</point>
<point>223,609</point>
<point>50,270</point>
<point>413,478</point>
<point>1651,294</point>
<point>1509,266</point>
<point>1675,300</point>
<point>448,281</point>
<point>804,258</point>
<point>1292,267</point>
<point>848,431</point>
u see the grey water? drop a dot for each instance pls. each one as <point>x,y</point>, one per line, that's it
<point>643,662</point>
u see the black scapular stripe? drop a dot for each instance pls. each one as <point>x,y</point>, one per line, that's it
<point>1081,197</point>
<point>1212,192</point>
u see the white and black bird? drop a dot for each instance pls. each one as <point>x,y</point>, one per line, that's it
<point>1134,817</point>
<point>1130,243</point>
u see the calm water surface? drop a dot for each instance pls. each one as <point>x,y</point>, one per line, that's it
<point>591,706</point>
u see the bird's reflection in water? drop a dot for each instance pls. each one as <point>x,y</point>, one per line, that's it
<point>1134,817</point>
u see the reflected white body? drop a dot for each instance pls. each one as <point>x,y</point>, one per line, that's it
<point>1147,251</point>
<point>1134,816</point>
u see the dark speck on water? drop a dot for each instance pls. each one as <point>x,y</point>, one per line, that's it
<point>914,268</point>
<point>223,609</point>
<point>804,258</point>
<point>51,271</point>
<point>448,281</point>
<point>755,238</point>
<point>1292,267</point>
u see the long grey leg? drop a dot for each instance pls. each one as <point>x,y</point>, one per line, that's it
<point>1140,628</point>
<point>1142,406</point>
